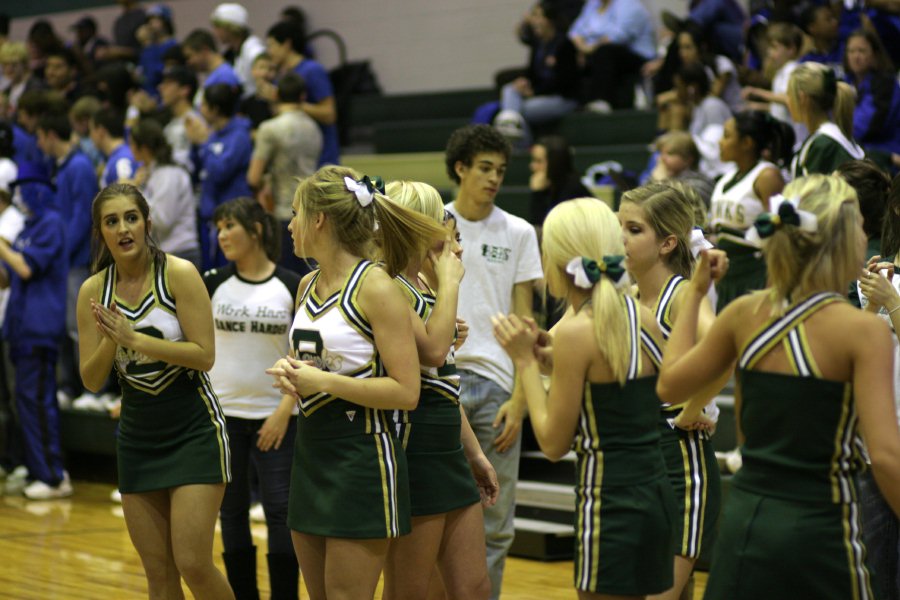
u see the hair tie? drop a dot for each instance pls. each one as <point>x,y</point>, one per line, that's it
<point>364,189</point>
<point>787,213</point>
<point>699,243</point>
<point>587,272</point>
<point>829,82</point>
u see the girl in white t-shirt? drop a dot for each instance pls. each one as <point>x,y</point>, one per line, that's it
<point>253,307</point>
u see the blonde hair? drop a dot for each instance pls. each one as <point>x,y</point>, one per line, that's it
<point>13,52</point>
<point>828,259</point>
<point>587,227</point>
<point>417,196</point>
<point>829,95</point>
<point>668,211</point>
<point>680,143</point>
<point>401,233</point>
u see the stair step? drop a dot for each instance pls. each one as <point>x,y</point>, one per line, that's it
<point>540,540</point>
<point>546,495</point>
<point>556,529</point>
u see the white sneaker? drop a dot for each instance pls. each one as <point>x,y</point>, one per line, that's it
<point>15,481</point>
<point>38,490</point>
<point>116,496</point>
<point>510,124</point>
<point>63,399</point>
<point>257,513</point>
<point>599,106</point>
<point>89,402</point>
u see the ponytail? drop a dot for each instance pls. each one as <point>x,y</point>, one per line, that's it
<point>611,327</point>
<point>844,105</point>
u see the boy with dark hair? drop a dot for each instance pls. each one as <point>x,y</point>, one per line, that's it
<point>201,55</point>
<point>76,186</point>
<point>176,92</point>
<point>108,134</point>
<point>285,45</point>
<point>287,148</point>
<point>502,262</point>
<point>222,148</point>
<point>61,74</point>
<point>821,24</point>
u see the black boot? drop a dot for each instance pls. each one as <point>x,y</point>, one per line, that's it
<point>284,576</point>
<point>240,566</point>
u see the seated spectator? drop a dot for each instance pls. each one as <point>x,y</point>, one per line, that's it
<point>549,88</point>
<point>784,44</point>
<point>615,38</point>
<point>258,107</point>
<point>108,134</point>
<point>679,160</point>
<point>721,21</point>
<point>231,24</point>
<point>704,117</point>
<point>201,55</point>
<point>222,155</point>
<point>176,92</point>
<point>156,37</point>
<point>284,46</point>
<point>168,190</point>
<point>14,62</point>
<point>41,40</point>
<point>287,149</point>
<point>553,176</point>
<point>821,25</point>
<point>876,118</point>
<point>694,49</point>
<point>61,74</point>
<point>87,43</point>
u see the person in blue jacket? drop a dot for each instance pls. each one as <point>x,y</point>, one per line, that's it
<point>76,185</point>
<point>876,118</point>
<point>285,45</point>
<point>35,269</point>
<point>107,131</point>
<point>222,154</point>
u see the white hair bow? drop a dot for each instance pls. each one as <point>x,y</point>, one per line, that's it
<point>783,211</point>
<point>364,192</point>
<point>699,243</point>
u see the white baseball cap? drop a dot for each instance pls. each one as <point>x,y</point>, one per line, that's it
<point>232,13</point>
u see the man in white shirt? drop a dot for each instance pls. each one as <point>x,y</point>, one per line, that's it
<point>502,261</point>
<point>231,24</point>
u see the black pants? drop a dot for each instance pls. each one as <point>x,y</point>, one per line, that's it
<point>612,72</point>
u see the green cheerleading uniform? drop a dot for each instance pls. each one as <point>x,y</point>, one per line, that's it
<point>690,459</point>
<point>172,429</point>
<point>439,475</point>
<point>823,151</point>
<point>349,477</point>
<point>625,509</point>
<point>734,207</point>
<point>791,526</point>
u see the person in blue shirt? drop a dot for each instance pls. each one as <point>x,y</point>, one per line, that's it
<point>156,39</point>
<point>108,134</point>
<point>615,37</point>
<point>282,43</point>
<point>202,56</point>
<point>876,118</point>
<point>76,185</point>
<point>34,268</point>
<point>222,154</point>
<point>820,23</point>
<point>32,104</point>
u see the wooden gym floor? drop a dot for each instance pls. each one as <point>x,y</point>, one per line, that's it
<point>78,549</point>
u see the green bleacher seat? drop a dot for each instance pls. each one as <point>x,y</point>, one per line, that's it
<point>620,127</point>
<point>428,135</point>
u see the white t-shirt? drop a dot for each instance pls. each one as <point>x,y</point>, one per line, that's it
<point>252,323</point>
<point>498,252</point>
<point>779,110</point>
<point>176,135</point>
<point>11,224</point>
<point>9,171</point>
<point>173,207</point>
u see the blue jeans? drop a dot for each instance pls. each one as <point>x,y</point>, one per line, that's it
<point>481,398</point>
<point>881,533</point>
<point>274,469</point>
<point>536,110</point>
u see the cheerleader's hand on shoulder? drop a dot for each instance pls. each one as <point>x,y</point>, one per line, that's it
<point>517,337</point>
<point>448,268</point>
<point>718,262</point>
<point>486,480</point>
<point>462,333</point>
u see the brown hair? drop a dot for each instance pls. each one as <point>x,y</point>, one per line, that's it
<point>102,256</point>
<point>669,212</point>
